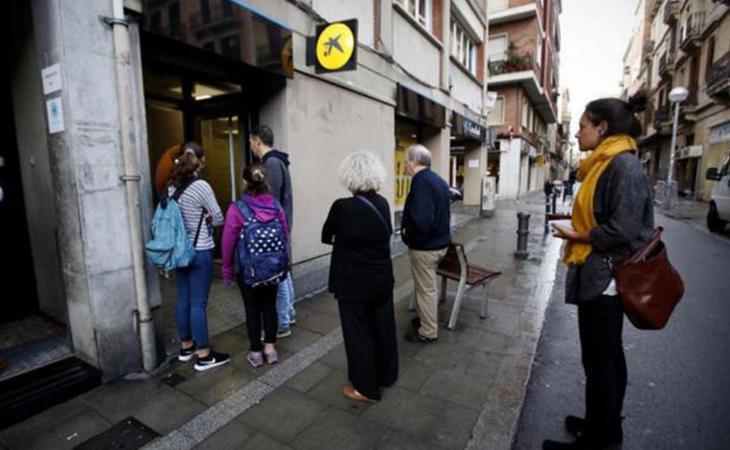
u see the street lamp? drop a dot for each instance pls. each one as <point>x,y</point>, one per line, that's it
<point>676,96</point>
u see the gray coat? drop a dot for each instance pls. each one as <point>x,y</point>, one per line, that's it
<point>276,163</point>
<point>623,206</point>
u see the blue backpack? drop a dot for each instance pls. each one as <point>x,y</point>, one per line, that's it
<point>170,247</point>
<point>262,249</point>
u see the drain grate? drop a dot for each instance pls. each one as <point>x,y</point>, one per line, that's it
<point>129,434</point>
<point>173,379</point>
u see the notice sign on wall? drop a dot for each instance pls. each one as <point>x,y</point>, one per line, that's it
<point>51,77</point>
<point>54,111</point>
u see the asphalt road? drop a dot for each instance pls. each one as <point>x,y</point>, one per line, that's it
<point>678,395</point>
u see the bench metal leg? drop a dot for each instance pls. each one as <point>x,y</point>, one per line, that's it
<point>457,304</point>
<point>444,282</point>
<point>483,314</point>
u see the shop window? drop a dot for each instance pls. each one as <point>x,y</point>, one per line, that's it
<point>496,115</point>
<point>463,47</point>
<point>419,10</point>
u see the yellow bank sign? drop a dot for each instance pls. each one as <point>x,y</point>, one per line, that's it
<point>335,47</point>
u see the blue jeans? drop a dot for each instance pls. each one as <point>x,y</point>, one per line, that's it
<point>285,303</point>
<point>193,285</point>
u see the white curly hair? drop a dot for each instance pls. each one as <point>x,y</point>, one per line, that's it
<point>362,172</point>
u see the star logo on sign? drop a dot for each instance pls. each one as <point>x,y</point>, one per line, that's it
<point>333,42</point>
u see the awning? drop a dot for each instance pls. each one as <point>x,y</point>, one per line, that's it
<point>414,106</point>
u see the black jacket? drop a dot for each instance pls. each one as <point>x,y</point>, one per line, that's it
<point>361,268</point>
<point>426,221</point>
<point>623,206</point>
<point>277,176</point>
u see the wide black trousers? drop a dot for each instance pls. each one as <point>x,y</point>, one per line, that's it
<point>260,303</point>
<point>600,324</point>
<point>369,332</point>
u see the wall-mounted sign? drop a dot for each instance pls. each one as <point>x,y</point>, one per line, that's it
<point>54,110</point>
<point>51,77</point>
<point>335,47</point>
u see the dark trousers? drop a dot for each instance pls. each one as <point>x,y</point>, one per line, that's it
<point>368,329</point>
<point>260,303</point>
<point>600,324</point>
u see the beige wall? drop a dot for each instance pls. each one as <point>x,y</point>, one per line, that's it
<point>323,123</point>
<point>414,52</point>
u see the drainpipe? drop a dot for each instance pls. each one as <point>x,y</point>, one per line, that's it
<point>131,179</point>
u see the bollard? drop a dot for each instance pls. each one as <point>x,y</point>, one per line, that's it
<point>555,201</point>
<point>547,214</point>
<point>523,230</point>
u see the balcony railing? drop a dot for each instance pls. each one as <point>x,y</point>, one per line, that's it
<point>666,64</point>
<point>718,77</point>
<point>662,116</point>
<point>671,9</point>
<point>513,63</point>
<point>691,31</point>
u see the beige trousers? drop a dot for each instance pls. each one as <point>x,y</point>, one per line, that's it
<point>423,269</point>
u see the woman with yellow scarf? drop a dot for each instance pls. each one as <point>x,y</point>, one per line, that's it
<point>613,214</point>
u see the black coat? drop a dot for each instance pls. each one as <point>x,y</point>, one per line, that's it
<point>361,268</point>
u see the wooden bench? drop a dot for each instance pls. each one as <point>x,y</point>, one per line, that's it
<point>454,266</point>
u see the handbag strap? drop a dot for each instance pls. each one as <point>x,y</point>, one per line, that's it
<point>197,232</point>
<point>380,216</point>
<point>647,248</point>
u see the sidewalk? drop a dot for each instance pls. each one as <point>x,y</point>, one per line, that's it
<point>464,391</point>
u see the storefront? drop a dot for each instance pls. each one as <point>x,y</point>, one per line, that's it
<point>468,157</point>
<point>418,119</point>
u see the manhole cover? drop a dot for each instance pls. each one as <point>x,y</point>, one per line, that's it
<point>129,434</point>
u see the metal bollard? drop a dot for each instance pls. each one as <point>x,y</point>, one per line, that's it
<point>523,230</point>
<point>547,213</point>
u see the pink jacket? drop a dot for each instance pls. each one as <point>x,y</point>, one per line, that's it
<point>234,224</point>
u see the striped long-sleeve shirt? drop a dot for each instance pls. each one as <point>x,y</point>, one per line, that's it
<point>196,199</point>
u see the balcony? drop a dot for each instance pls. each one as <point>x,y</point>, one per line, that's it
<point>688,108</point>
<point>691,32</point>
<point>513,63</point>
<point>689,151</point>
<point>718,79</point>
<point>671,10</point>
<point>666,64</point>
<point>662,120</point>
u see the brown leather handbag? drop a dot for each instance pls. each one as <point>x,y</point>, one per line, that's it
<point>648,284</point>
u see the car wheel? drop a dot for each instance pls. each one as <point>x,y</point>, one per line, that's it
<point>714,223</point>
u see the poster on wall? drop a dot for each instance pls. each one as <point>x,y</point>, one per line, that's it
<point>402,179</point>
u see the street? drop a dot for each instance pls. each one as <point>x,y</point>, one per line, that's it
<point>677,395</point>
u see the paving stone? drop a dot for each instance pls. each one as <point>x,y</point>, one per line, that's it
<point>231,437</point>
<point>444,355</point>
<point>300,339</point>
<point>460,388</point>
<point>323,303</point>
<point>399,441</point>
<point>452,427</point>
<point>57,433</point>
<point>337,357</point>
<point>485,365</point>
<point>261,441</point>
<point>214,385</point>
<point>405,411</point>
<point>412,373</point>
<point>310,377</point>
<point>337,429</point>
<point>283,414</point>
<point>230,342</point>
<point>316,321</point>
<point>329,391</point>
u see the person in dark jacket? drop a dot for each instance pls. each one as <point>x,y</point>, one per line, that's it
<point>361,277</point>
<point>278,178</point>
<point>426,230</point>
<point>613,216</point>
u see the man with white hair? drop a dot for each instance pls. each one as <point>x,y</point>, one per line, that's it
<point>426,231</point>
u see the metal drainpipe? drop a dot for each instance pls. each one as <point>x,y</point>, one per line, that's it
<point>131,179</point>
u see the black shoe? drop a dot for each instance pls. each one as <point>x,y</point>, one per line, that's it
<point>415,336</point>
<point>186,354</point>
<point>416,323</point>
<point>214,359</point>
<point>575,424</point>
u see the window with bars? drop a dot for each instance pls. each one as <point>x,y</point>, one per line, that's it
<point>463,47</point>
<point>419,10</point>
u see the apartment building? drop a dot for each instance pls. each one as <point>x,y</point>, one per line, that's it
<point>686,43</point>
<point>523,61</point>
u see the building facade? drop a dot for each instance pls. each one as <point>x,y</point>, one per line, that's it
<point>97,98</point>
<point>685,43</point>
<point>523,61</point>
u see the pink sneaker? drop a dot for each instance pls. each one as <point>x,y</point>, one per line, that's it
<point>256,359</point>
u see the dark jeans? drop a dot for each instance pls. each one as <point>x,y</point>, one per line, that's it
<point>260,303</point>
<point>193,286</point>
<point>600,324</point>
<point>368,329</point>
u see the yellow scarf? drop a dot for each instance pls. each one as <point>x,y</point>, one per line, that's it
<point>589,171</point>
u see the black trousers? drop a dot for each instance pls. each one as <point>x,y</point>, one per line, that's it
<point>369,332</point>
<point>260,303</point>
<point>600,324</point>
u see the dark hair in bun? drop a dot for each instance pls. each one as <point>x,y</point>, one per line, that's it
<point>255,177</point>
<point>618,114</point>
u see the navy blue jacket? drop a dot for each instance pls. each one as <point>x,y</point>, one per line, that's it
<point>427,213</point>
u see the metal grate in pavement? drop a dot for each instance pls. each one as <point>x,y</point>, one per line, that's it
<point>129,434</point>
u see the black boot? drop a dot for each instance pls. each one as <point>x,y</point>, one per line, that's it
<point>575,424</point>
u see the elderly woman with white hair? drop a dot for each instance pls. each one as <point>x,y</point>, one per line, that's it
<point>361,277</point>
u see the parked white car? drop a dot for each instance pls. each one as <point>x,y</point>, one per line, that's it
<point>718,215</point>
